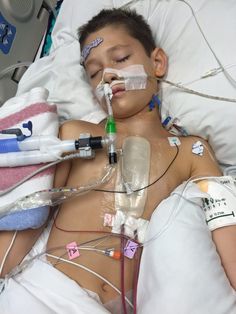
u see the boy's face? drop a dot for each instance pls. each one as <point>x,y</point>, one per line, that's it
<point>119,50</point>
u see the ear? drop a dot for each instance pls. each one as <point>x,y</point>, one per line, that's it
<point>160,62</point>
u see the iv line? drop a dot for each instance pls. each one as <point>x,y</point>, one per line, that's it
<point>230,78</point>
<point>192,91</point>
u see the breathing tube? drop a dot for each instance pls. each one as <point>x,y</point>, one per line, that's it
<point>22,150</point>
<point>110,126</point>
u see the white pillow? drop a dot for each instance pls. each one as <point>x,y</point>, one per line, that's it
<point>190,58</point>
<point>177,33</point>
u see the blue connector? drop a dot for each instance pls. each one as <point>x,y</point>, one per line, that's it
<point>9,145</point>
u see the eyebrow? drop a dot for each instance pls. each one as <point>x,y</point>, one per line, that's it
<point>109,51</point>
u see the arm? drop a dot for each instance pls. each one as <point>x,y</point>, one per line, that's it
<point>224,237</point>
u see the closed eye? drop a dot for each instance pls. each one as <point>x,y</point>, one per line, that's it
<point>123,59</point>
<point>93,75</point>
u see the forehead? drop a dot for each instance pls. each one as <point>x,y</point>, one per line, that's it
<point>108,32</point>
<point>112,35</point>
<point>115,38</point>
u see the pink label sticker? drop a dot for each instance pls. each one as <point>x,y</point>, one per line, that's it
<point>72,250</point>
<point>130,249</point>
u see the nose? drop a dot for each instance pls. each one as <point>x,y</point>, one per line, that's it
<point>108,77</point>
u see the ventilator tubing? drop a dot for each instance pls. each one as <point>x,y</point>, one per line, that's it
<point>220,204</point>
<point>33,150</point>
<point>54,196</point>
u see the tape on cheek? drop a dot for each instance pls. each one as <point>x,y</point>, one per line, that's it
<point>133,77</point>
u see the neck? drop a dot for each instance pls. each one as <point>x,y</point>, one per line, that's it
<point>146,124</point>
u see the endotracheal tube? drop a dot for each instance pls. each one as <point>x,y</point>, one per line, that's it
<point>110,126</point>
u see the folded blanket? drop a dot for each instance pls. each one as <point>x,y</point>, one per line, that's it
<point>33,107</point>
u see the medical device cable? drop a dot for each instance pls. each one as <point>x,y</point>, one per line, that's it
<point>147,186</point>
<point>230,78</point>
<point>7,252</point>
<point>175,208</point>
<point>122,271</point>
<point>191,91</point>
<point>122,238</point>
<point>36,199</point>
<point>137,258</point>
<point>31,175</point>
<point>92,272</point>
<point>192,179</point>
<point>27,262</point>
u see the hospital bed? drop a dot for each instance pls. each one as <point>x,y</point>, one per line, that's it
<point>18,43</point>
<point>198,98</point>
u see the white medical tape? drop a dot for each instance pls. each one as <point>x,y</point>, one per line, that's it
<point>220,206</point>
<point>132,226</point>
<point>132,77</point>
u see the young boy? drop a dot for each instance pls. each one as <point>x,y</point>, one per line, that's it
<point>117,47</point>
<point>116,40</point>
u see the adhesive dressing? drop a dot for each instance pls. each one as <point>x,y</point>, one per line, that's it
<point>132,77</point>
<point>220,206</point>
<point>132,176</point>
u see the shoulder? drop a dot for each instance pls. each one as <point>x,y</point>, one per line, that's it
<point>72,129</point>
<point>200,156</point>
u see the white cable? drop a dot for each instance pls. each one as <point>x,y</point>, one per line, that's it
<point>67,157</point>
<point>230,78</point>
<point>92,272</point>
<point>175,210</point>
<point>7,252</point>
<point>191,91</point>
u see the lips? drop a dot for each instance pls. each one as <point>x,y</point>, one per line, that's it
<point>117,88</point>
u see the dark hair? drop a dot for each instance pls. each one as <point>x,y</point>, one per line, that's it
<point>134,23</point>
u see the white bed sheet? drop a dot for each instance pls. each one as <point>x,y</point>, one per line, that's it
<point>180,271</point>
<point>61,74</point>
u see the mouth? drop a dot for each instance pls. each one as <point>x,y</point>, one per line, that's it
<point>118,88</point>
